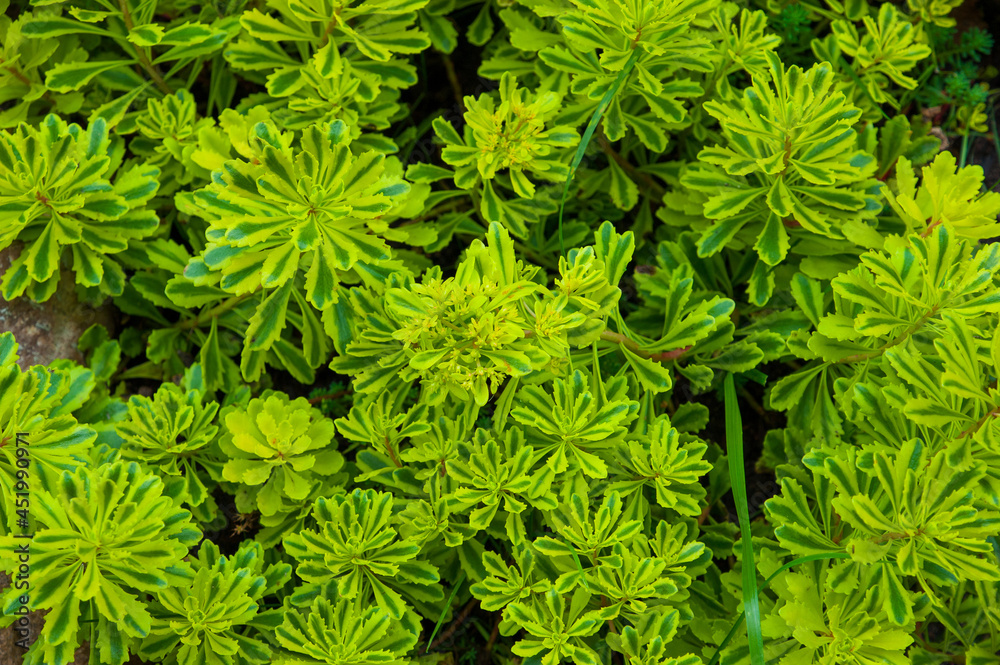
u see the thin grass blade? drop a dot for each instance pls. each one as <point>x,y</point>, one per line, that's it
<point>739,622</point>
<point>437,626</point>
<point>734,448</point>
<point>589,133</point>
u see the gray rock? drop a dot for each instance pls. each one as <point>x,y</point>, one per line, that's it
<point>11,653</point>
<point>49,330</point>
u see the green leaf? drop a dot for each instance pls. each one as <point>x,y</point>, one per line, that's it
<point>624,192</point>
<point>929,411</point>
<point>114,111</point>
<point>772,244</point>
<point>427,359</point>
<point>779,199</point>
<point>294,360</point>
<point>210,357</point>
<point>739,357</point>
<point>717,236</point>
<point>74,75</point>
<point>501,250</point>
<point>790,390</point>
<point>481,28</point>
<point>442,32</point>
<point>492,207</point>
<point>188,50</point>
<point>269,320</point>
<point>761,284</point>
<point>421,172</point>
<point>57,27</point>
<point>652,375</point>
<point>615,250</point>
<point>513,363</point>
<point>266,27</point>
<point>897,603</point>
<point>728,203</point>
<point>186,33</point>
<point>808,297</point>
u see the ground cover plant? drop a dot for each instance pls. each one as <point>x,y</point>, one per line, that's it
<point>503,332</point>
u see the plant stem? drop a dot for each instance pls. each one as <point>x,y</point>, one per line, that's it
<point>992,413</point>
<point>19,75</point>
<point>141,53</point>
<point>886,537</point>
<point>438,210</point>
<point>22,77</point>
<point>456,87</point>
<point>477,206</point>
<point>392,454</point>
<point>487,652</point>
<point>633,346</point>
<point>704,513</point>
<point>902,337</point>
<point>641,179</point>
<point>216,311</point>
<point>752,402</point>
<point>610,622</point>
<point>618,338</point>
<point>321,398</point>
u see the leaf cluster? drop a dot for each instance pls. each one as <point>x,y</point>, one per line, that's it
<point>390,376</point>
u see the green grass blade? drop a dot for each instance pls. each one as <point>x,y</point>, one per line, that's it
<point>739,622</point>
<point>437,626</point>
<point>734,448</point>
<point>589,133</point>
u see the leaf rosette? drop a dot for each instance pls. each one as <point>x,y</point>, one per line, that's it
<point>278,449</point>
<point>112,533</point>
<point>66,193</point>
